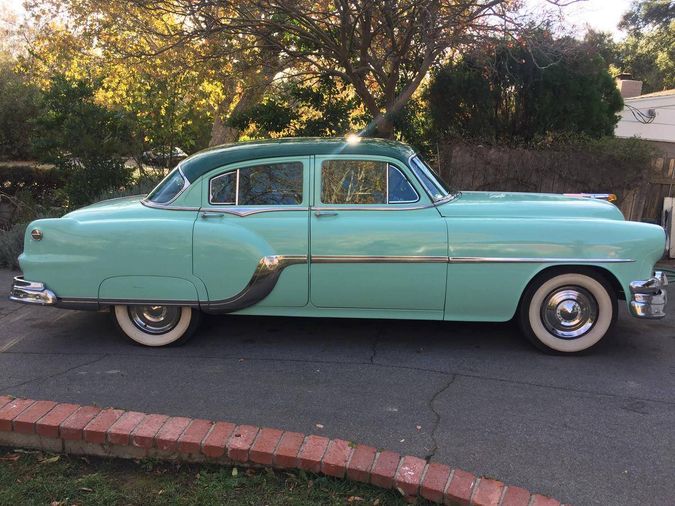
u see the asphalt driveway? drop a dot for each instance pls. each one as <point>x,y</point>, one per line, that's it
<point>597,429</point>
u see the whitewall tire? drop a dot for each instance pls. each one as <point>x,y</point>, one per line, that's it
<point>567,312</point>
<point>156,325</point>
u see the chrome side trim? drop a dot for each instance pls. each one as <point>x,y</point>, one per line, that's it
<point>363,259</point>
<point>326,259</point>
<point>262,283</point>
<point>248,211</point>
<point>649,297</point>
<point>527,260</point>
<point>31,292</point>
<point>148,203</point>
<point>369,207</point>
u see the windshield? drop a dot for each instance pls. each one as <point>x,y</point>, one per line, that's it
<point>169,188</point>
<point>435,186</point>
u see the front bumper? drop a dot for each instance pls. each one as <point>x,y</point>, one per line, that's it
<point>31,292</point>
<point>648,298</point>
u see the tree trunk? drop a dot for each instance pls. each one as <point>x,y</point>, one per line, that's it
<point>384,128</point>
<point>255,84</point>
<point>221,132</point>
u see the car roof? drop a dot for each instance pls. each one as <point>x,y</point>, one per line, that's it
<point>204,161</point>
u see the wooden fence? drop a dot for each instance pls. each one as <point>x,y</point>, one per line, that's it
<point>640,192</point>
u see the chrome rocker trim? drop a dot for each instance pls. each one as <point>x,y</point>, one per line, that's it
<point>373,259</point>
<point>31,292</point>
<point>649,297</point>
<point>369,259</point>
<point>262,283</point>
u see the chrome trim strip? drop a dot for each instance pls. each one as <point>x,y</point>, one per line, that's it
<point>262,283</point>
<point>247,211</point>
<point>343,259</point>
<point>148,203</point>
<point>373,259</point>
<point>370,207</point>
<point>526,260</point>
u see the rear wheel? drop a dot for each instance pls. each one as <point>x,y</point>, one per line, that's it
<point>567,312</point>
<point>156,325</point>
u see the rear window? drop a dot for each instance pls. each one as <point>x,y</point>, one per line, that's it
<point>273,184</point>
<point>169,188</point>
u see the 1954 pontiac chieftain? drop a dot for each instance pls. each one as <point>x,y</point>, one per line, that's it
<point>327,227</point>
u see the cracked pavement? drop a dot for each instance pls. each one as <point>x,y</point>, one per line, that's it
<point>595,429</point>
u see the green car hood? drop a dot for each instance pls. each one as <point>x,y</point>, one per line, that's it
<point>527,205</point>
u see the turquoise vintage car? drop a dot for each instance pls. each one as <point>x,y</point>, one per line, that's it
<point>335,228</point>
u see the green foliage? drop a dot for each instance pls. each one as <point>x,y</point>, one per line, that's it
<point>19,103</point>
<point>85,182</point>
<point>647,52</point>
<point>73,125</point>
<point>162,114</point>
<point>512,93</point>
<point>84,140</point>
<point>319,109</point>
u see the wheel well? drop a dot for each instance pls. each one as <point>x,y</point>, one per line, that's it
<point>590,270</point>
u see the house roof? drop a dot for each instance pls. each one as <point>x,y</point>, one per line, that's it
<point>656,94</point>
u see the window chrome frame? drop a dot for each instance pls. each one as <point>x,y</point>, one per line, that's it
<point>247,206</point>
<point>448,198</point>
<point>236,188</point>
<point>392,166</point>
<point>186,185</point>
<point>372,207</point>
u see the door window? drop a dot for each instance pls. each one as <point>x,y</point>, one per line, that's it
<point>270,184</point>
<point>364,182</point>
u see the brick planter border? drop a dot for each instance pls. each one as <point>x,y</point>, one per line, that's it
<point>89,430</point>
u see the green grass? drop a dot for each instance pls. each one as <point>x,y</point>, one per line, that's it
<point>58,480</point>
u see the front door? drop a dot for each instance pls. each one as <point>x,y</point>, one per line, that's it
<point>376,241</point>
<point>251,235</point>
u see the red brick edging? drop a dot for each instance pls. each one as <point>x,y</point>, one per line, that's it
<point>89,430</point>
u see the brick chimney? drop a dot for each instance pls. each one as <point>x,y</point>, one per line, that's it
<point>628,87</point>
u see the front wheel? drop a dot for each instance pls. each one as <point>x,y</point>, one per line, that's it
<point>155,325</point>
<point>567,313</point>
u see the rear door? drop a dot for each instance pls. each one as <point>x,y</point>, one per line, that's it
<point>251,238</point>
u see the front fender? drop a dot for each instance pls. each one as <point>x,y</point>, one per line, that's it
<point>627,250</point>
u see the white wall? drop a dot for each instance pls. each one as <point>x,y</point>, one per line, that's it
<point>661,129</point>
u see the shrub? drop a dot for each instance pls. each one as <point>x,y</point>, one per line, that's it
<point>85,182</point>
<point>41,182</point>
<point>11,246</point>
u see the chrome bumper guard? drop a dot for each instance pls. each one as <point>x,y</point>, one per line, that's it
<point>31,292</point>
<point>648,298</point>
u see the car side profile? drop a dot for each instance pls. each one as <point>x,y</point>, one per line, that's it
<point>335,228</point>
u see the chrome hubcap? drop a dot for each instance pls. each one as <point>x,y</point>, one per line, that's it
<point>569,312</point>
<point>155,319</point>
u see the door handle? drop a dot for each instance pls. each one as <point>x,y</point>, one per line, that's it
<point>319,214</point>
<point>211,214</point>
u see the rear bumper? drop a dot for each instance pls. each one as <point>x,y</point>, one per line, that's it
<point>649,297</point>
<point>31,292</point>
